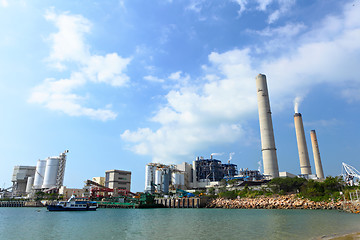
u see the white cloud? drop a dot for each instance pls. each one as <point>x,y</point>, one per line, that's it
<point>166,32</point>
<point>68,44</point>
<point>351,94</point>
<point>4,3</point>
<point>153,79</point>
<point>68,47</point>
<point>263,4</point>
<point>195,5</point>
<point>284,7</point>
<point>288,30</point>
<point>242,4</point>
<point>196,117</point>
<point>107,69</point>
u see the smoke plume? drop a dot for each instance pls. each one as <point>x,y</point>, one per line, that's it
<point>260,165</point>
<point>297,102</point>
<point>230,156</point>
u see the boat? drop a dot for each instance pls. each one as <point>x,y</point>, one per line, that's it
<point>74,204</point>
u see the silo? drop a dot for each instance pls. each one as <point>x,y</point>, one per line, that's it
<point>158,179</point>
<point>51,172</point>
<point>149,177</point>
<point>29,184</point>
<point>39,174</point>
<point>266,129</point>
<point>178,179</point>
<point>316,152</point>
<point>166,181</point>
<point>175,179</point>
<point>302,147</point>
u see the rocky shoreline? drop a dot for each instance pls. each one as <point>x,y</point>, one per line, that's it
<point>282,202</point>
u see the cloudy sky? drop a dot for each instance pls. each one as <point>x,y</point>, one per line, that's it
<point>128,82</point>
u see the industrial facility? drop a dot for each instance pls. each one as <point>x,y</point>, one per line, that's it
<point>200,174</point>
<point>47,176</point>
<point>270,163</point>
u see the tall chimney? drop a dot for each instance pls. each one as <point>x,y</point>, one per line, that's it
<point>266,129</point>
<point>301,142</point>
<point>316,152</point>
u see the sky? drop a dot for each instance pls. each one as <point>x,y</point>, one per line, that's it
<point>124,83</point>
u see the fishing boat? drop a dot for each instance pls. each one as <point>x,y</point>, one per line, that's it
<point>74,204</point>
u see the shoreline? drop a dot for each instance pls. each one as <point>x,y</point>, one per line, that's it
<point>282,202</point>
<point>345,236</point>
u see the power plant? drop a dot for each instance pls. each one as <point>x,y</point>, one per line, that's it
<point>268,148</point>
<point>48,175</point>
<point>316,152</point>
<point>201,173</point>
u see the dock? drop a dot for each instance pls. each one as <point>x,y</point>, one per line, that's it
<point>181,202</point>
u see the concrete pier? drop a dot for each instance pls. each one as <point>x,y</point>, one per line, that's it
<point>181,202</point>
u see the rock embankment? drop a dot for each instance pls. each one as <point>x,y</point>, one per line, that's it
<point>279,202</point>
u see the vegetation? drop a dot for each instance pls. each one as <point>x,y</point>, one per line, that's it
<point>325,190</point>
<point>48,196</point>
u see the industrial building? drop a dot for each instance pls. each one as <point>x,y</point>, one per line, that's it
<point>202,173</point>
<point>50,172</point>
<point>99,180</point>
<point>68,192</point>
<point>22,179</point>
<point>48,175</point>
<point>118,179</point>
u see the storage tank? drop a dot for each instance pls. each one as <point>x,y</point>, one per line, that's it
<point>158,178</point>
<point>149,177</point>
<point>166,181</point>
<point>29,184</point>
<point>51,171</point>
<point>178,179</point>
<point>39,174</point>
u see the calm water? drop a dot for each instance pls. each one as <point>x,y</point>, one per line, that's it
<point>38,223</point>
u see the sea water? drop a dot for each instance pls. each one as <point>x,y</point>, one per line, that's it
<point>38,223</point>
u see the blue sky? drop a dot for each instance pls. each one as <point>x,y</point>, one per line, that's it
<point>124,83</point>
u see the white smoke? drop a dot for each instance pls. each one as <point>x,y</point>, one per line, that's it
<point>260,165</point>
<point>217,154</point>
<point>297,102</point>
<point>230,156</point>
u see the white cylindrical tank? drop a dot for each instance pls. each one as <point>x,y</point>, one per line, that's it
<point>39,174</point>
<point>302,147</point>
<point>149,177</point>
<point>316,152</point>
<point>51,171</point>
<point>178,179</point>
<point>158,179</point>
<point>29,184</point>
<point>166,181</point>
<point>268,148</point>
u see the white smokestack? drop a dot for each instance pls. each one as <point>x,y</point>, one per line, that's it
<point>268,148</point>
<point>297,102</point>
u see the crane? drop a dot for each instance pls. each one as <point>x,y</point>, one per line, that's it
<point>349,173</point>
